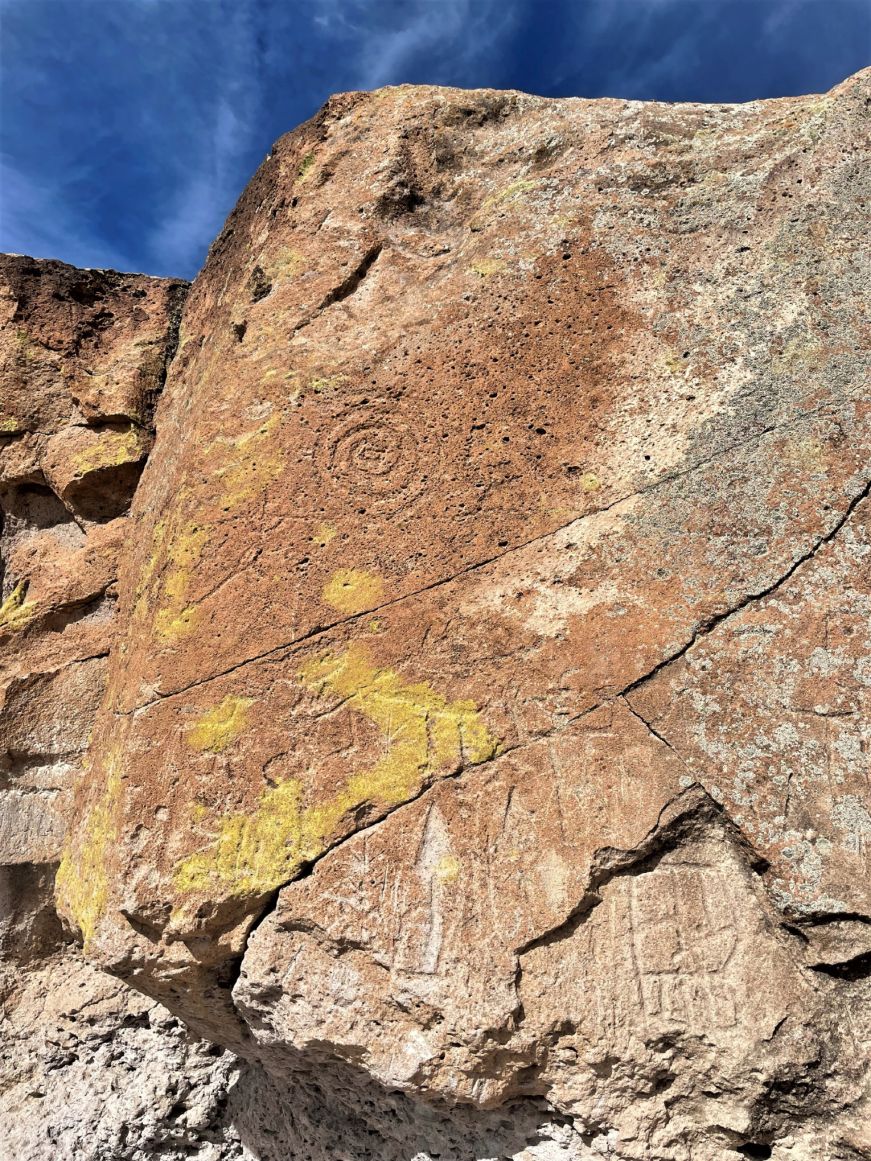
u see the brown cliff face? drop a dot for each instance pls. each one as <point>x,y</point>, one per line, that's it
<point>489,720</point>
<point>82,362</point>
<point>88,1069</point>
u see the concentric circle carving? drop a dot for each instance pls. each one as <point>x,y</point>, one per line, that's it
<point>372,457</point>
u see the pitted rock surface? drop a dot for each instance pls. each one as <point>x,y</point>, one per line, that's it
<point>485,750</point>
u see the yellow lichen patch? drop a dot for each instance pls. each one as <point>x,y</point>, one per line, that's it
<point>254,463</point>
<point>111,450</point>
<point>675,364</point>
<point>447,869</point>
<point>325,534</point>
<point>285,264</point>
<point>423,734</point>
<point>590,482</point>
<point>303,383</point>
<point>176,617</point>
<point>146,578</point>
<point>322,384</point>
<point>9,424</point>
<point>485,267</point>
<point>15,611</point>
<point>218,727</point>
<point>351,590</point>
<point>509,194</point>
<point>82,883</point>
<point>252,854</point>
<point>804,452</point>
<point>799,355</point>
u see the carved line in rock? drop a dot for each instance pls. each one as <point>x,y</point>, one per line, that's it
<point>754,859</point>
<point>320,630</point>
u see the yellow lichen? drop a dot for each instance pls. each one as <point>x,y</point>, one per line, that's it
<point>302,383</point>
<point>590,482</point>
<point>82,883</point>
<point>485,267</point>
<point>111,450</point>
<point>322,384</point>
<point>9,424</point>
<point>244,468</point>
<point>423,735</point>
<point>253,464</point>
<point>325,534</point>
<point>176,618</point>
<point>285,264</point>
<point>447,869</point>
<point>15,611</point>
<point>508,194</point>
<point>351,590</point>
<point>218,727</point>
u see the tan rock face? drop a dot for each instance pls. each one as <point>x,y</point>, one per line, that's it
<point>489,724</point>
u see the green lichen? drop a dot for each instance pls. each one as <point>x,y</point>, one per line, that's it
<point>305,167</point>
<point>24,343</point>
<point>424,734</point>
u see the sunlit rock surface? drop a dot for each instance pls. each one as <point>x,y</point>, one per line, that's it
<point>88,1069</point>
<point>484,757</point>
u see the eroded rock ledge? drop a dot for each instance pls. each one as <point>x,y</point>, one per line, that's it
<point>484,757</point>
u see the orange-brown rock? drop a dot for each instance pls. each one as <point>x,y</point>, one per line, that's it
<point>89,1071</point>
<point>485,752</point>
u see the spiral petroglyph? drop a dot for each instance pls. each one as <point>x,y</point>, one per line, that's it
<point>374,454</point>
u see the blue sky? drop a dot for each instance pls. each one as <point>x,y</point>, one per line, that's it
<point>128,128</point>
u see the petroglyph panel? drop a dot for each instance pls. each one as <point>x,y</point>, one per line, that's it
<point>684,952</point>
<point>683,937</point>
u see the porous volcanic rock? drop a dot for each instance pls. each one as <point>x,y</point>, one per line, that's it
<point>485,753</point>
<point>89,1071</point>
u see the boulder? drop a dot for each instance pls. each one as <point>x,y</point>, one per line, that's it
<point>484,757</point>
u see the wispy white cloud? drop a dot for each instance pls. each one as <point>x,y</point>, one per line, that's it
<point>388,42</point>
<point>130,127</point>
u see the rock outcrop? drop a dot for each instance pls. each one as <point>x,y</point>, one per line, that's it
<point>88,1069</point>
<point>484,752</point>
